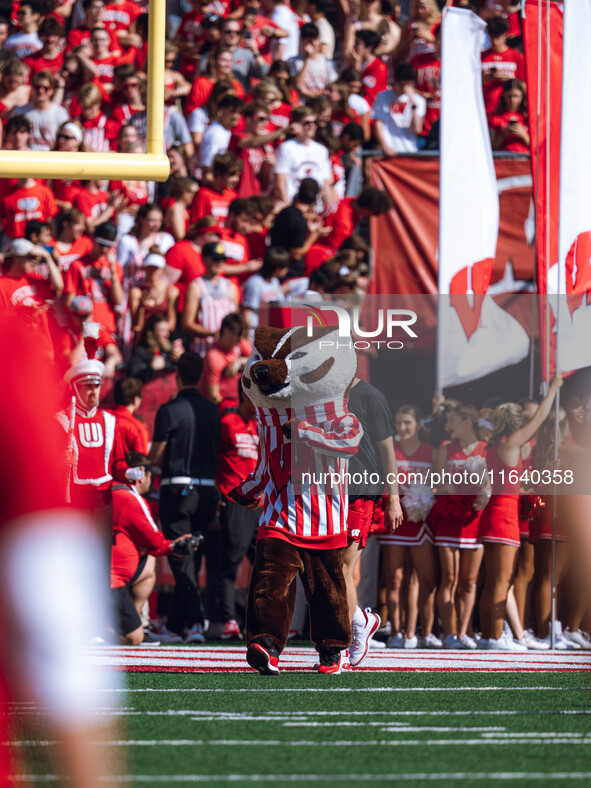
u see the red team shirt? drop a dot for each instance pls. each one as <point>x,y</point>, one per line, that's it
<point>24,204</point>
<point>239,451</point>
<point>375,79</point>
<point>428,68</point>
<point>510,63</point>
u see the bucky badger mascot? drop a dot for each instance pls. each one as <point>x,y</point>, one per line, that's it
<point>299,386</point>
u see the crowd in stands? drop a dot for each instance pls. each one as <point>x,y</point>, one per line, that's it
<point>269,110</point>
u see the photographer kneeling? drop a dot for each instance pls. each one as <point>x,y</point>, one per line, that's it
<point>133,529</point>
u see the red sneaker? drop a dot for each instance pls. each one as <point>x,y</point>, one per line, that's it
<point>263,660</point>
<point>332,661</point>
<point>231,631</point>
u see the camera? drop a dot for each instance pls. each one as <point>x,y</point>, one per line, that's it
<point>189,545</point>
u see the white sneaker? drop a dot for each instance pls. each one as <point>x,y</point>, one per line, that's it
<point>386,630</point>
<point>430,641</point>
<point>395,641</point>
<point>361,637</point>
<point>505,643</point>
<point>560,642</point>
<point>164,635</point>
<point>483,644</point>
<point>376,645</point>
<point>578,636</point>
<point>467,642</point>
<point>195,634</point>
<point>411,642</point>
<point>451,641</point>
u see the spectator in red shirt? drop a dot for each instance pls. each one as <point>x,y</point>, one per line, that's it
<point>215,198</point>
<point>69,344</point>
<point>181,196</point>
<point>428,68</point>
<point>183,260</point>
<point>254,146</point>
<point>155,295</point>
<point>508,125</point>
<point>238,456</point>
<point>71,243</point>
<point>29,200</point>
<point>374,73</point>
<point>126,76</point>
<point>94,12</point>
<point>500,63</point>
<point>219,66</point>
<point>70,138</point>
<point>103,59</point>
<point>225,360</point>
<point>25,291</point>
<point>131,433</point>
<point>99,276</point>
<point>50,57</point>
<point>371,202</point>
<point>120,17</point>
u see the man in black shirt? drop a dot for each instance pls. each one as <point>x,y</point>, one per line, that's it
<point>185,446</point>
<point>297,227</point>
<point>375,459</point>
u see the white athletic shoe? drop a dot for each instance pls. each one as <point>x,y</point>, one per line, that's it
<point>483,644</point>
<point>395,641</point>
<point>361,637</point>
<point>376,645</point>
<point>578,637</point>
<point>467,642</point>
<point>505,643</point>
<point>411,642</point>
<point>430,641</point>
<point>560,642</point>
<point>451,641</point>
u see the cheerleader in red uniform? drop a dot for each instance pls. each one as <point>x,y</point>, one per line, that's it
<point>413,456</point>
<point>499,524</point>
<point>456,526</point>
<point>524,571</point>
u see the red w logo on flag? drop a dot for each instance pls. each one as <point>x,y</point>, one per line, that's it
<point>578,272</point>
<point>469,307</point>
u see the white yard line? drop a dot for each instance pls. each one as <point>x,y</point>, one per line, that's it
<point>169,779</point>
<point>254,688</point>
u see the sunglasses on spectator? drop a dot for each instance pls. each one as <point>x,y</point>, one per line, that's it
<point>261,117</point>
<point>232,32</point>
<point>309,123</point>
<point>41,87</point>
<point>65,137</point>
<point>131,85</point>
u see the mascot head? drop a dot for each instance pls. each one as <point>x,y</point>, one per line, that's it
<point>289,369</point>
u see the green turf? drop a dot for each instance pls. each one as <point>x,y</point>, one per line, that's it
<point>244,729</point>
<point>247,708</point>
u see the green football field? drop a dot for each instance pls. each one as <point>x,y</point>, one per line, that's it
<point>358,728</point>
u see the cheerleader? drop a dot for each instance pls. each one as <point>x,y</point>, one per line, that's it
<point>414,536</point>
<point>456,526</point>
<point>499,525</point>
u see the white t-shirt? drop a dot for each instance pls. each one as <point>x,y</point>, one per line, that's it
<point>198,120</point>
<point>22,44</point>
<point>396,114</point>
<point>327,36</point>
<point>288,21</point>
<point>321,73</point>
<point>358,104</point>
<point>44,122</point>
<point>297,161</point>
<point>215,140</point>
<point>256,291</point>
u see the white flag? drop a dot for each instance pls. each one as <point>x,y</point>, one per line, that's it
<point>475,336</point>
<point>573,278</point>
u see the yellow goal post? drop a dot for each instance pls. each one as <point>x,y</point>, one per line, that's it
<point>152,165</point>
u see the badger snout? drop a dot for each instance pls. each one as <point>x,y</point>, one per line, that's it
<point>260,373</point>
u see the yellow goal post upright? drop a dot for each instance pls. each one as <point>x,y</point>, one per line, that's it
<point>151,166</point>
